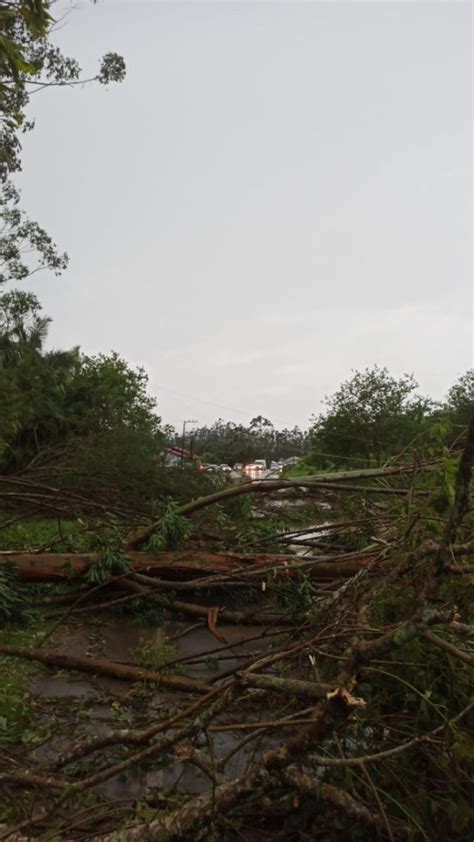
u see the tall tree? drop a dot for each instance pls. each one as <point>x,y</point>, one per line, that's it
<point>459,404</point>
<point>30,62</point>
<point>370,417</point>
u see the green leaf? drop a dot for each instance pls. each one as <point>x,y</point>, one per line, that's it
<point>464,747</point>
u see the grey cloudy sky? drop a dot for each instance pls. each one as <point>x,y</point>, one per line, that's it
<point>278,193</point>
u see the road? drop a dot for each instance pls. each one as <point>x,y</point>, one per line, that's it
<point>237,476</point>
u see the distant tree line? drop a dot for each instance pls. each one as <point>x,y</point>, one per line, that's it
<point>226,442</point>
<point>372,417</point>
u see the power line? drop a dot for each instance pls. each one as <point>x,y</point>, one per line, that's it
<point>210,403</point>
<point>278,421</point>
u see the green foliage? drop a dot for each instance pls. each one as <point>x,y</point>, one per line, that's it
<point>296,594</point>
<point>212,663</point>
<point>108,543</point>
<point>459,404</point>
<point>32,533</point>
<point>109,564</point>
<point>22,236</point>
<point>155,652</point>
<point>369,418</point>
<point>226,442</point>
<point>150,614</point>
<point>262,531</point>
<point>306,467</point>
<point>105,393</point>
<point>443,498</point>
<point>181,484</point>
<point>173,531</point>
<point>15,707</point>
<point>29,62</point>
<point>237,508</point>
<point>14,598</point>
<point>54,397</point>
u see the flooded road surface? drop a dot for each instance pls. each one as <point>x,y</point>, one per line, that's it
<point>76,708</point>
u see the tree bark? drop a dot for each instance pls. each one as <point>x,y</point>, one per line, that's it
<point>288,686</point>
<point>102,667</point>
<point>53,566</point>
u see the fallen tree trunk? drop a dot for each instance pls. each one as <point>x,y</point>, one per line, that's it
<point>52,566</point>
<point>322,481</point>
<point>288,686</point>
<point>99,666</point>
<point>210,569</point>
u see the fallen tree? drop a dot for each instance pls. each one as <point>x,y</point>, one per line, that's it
<point>66,566</point>
<point>376,641</point>
<point>337,481</point>
<point>97,666</point>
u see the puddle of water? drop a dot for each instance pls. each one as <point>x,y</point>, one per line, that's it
<point>301,549</point>
<point>319,532</point>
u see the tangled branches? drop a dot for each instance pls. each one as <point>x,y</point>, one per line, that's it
<point>336,704</point>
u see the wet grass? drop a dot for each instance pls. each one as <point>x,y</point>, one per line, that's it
<point>32,533</point>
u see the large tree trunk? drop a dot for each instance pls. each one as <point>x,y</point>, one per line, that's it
<point>187,564</point>
<point>99,666</point>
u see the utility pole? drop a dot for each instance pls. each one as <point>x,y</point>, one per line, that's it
<point>188,421</point>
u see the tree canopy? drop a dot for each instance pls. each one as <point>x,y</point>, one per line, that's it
<point>460,399</point>
<point>30,62</point>
<point>370,417</point>
<point>51,396</point>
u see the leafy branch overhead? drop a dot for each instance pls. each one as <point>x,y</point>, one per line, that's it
<point>30,62</point>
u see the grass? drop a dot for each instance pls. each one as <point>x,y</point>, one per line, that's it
<point>154,653</point>
<point>305,468</point>
<point>31,533</point>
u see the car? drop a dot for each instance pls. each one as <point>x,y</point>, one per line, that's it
<point>255,469</point>
<point>226,469</point>
<point>238,466</point>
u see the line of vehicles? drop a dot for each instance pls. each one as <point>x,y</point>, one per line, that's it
<point>253,469</point>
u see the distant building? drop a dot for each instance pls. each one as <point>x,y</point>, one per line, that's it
<point>173,456</point>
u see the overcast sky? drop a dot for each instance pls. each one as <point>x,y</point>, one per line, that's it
<point>278,193</point>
